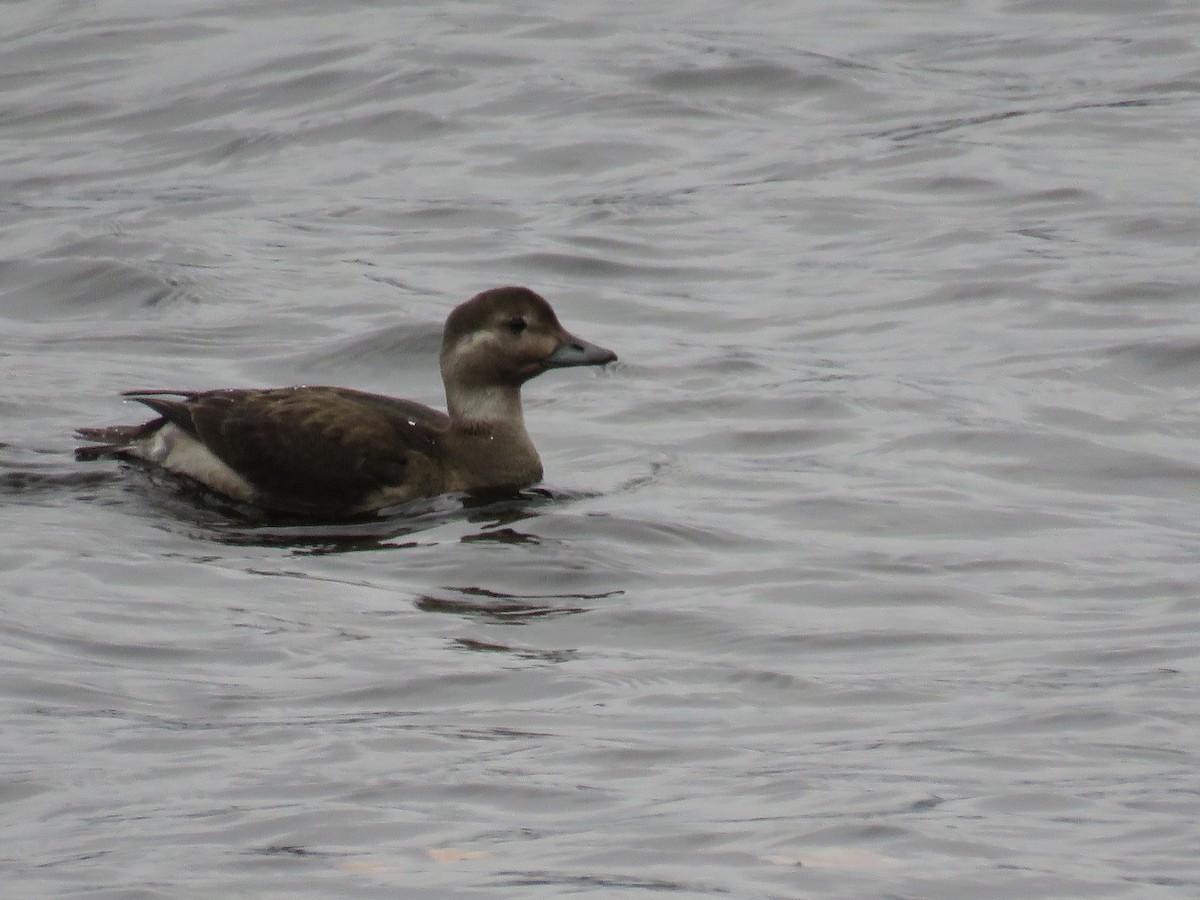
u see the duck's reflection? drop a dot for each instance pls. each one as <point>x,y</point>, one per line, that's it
<point>531,653</point>
<point>410,525</point>
<point>503,607</point>
<point>490,607</point>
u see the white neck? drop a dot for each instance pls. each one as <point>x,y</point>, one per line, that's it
<point>492,447</point>
<point>492,406</point>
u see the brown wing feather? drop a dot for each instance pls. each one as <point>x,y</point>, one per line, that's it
<point>323,446</point>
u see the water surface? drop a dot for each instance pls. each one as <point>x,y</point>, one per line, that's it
<point>870,570</point>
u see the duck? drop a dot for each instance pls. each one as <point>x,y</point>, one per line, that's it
<point>336,453</point>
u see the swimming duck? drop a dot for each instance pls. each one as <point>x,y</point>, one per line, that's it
<point>335,452</point>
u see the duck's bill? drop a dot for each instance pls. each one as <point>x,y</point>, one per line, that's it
<point>578,352</point>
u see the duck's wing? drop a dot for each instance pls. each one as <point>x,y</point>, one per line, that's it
<point>310,448</point>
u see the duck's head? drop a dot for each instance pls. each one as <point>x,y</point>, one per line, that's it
<point>504,337</point>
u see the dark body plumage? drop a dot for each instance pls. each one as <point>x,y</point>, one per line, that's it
<point>334,452</point>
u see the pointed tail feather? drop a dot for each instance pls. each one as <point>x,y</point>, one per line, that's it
<point>113,439</point>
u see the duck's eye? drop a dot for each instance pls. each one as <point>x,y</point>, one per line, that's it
<point>516,325</point>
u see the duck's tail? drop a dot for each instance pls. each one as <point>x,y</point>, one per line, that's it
<point>112,440</point>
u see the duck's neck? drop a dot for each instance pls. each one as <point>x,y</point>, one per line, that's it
<point>492,447</point>
<point>482,409</point>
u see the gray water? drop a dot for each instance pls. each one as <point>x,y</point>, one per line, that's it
<point>870,571</point>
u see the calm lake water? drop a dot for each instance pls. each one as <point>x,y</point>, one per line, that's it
<point>871,570</point>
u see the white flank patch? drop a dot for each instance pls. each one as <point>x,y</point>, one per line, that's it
<point>177,451</point>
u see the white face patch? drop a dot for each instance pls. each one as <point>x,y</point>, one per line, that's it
<point>483,336</point>
<point>473,359</point>
<point>470,349</point>
<point>481,371</point>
